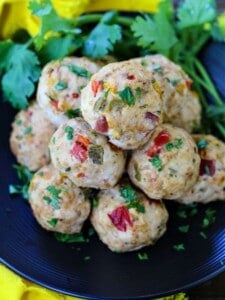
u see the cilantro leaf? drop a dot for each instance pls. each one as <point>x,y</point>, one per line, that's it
<point>25,175</point>
<point>21,72</point>
<point>5,50</point>
<point>156,31</point>
<point>69,238</point>
<point>130,197</point>
<point>51,22</point>
<point>58,47</point>
<point>127,96</point>
<point>194,13</point>
<point>102,38</point>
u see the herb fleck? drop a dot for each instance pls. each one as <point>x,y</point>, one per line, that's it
<point>82,72</point>
<point>209,217</point>
<point>127,96</point>
<point>137,172</point>
<point>27,130</point>
<point>177,144</point>
<point>143,256</point>
<point>73,113</point>
<point>203,235</point>
<point>130,197</point>
<point>53,200</point>
<point>94,202</point>
<point>156,162</point>
<point>69,238</point>
<point>69,132</point>
<point>53,222</point>
<point>202,144</point>
<point>179,247</point>
<point>184,228</point>
<point>60,86</point>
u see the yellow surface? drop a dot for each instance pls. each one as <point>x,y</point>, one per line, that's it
<point>14,14</point>
<point>13,287</point>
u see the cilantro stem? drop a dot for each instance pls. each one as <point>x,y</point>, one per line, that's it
<point>94,18</point>
<point>208,82</point>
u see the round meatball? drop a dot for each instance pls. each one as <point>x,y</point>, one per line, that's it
<point>210,185</point>
<point>31,133</point>
<point>181,106</point>
<point>168,165</point>
<point>60,87</point>
<point>120,102</point>
<point>126,220</point>
<point>57,203</point>
<point>85,156</point>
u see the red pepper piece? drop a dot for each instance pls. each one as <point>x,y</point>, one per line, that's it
<point>188,83</point>
<point>152,117</point>
<point>159,141</point>
<point>55,104</point>
<point>96,86</point>
<point>120,217</point>
<point>130,77</point>
<point>75,95</point>
<point>79,152</point>
<point>101,125</point>
<point>207,166</point>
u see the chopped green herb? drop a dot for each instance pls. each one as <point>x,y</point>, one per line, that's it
<point>18,122</point>
<point>142,256</point>
<point>25,175</point>
<point>184,228</point>
<point>179,247</point>
<point>73,113</point>
<point>27,130</point>
<point>193,212</point>
<point>96,153</point>
<point>60,86</point>
<point>158,69</point>
<point>130,196</point>
<point>82,72</point>
<point>100,104</point>
<point>67,169</point>
<point>87,258</point>
<point>127,96</point>
<point>209,218</point>
<point>116,103</point>
<point>203,235</point>
<point>174,82</point>
<point>53,222</point>
<point>94,202</point>
<point>156,162</point>
<point>91,231</point>
<point>69,132</point>
<point>137,172</point>
<point>80,88</point>
<point>202,144</point>
<point>144,63</point>
<point>138,92</point>
<point>177,144</point>
<point>182,214</point>
<point>53,200</point>
<point>69,238</point>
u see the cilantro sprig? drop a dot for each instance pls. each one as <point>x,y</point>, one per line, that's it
<point>131,198</point>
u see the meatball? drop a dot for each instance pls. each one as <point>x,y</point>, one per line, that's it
<point>210,185</point>
<point>57,203</point>
<point>31,133</point>
<point>126,220</point>
<point>60,86</point>
<point>168,165</point>
<point>85,156</point>
<point>181,106</point>
<point>120,102</point>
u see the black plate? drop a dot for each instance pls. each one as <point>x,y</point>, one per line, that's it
<point>36,255</point>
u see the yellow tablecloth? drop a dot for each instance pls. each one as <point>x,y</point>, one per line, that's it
<point>13,287</point>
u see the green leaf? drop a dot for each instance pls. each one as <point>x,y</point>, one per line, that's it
<point>22,71</point>
<point>73,113</point>
<point>127,96</point>
<point>53,222</point>
<point>59,47</point>
<point>82,72</point>
<point>5,50</point>
<point>69,238</point>
<point>102,38</point>
<point>128,193</point>
<point>51,22</point>
<point>156,31</point>
<point>195,13</point>
<point>156,162</point>
<point>69,132</point>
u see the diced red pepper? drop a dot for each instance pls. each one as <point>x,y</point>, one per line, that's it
<point>130,77</point>
<point>82,140</point>
<point>152,117</point>
<point>159,141</point>
<point>96,86</point>
<point>207,166</point>
<point>79,152</point>
<point>55,104</point>
<point>101,125</point>
<point>80,175</point>
<point>75,95</point>
<point>188,83</point>
<point>120,217</point>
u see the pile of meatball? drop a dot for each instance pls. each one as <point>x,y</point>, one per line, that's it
<point>124,129</point>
